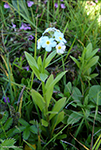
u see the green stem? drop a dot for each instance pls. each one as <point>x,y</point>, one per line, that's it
<point>55,136</point>
<point>64,78</point>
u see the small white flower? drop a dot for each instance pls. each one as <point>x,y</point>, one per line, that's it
<point>39,43</point>
<point>48,43</point>
<point>59,37</point>
<point>60,48</point>
<point>50,30</point>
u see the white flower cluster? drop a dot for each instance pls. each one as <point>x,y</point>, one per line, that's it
<point>52,37</point>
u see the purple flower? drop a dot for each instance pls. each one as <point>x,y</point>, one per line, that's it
<point>7,99</point>
<point>63,6</point>
<point>13,25</point>
<point>27,68</point>
<point>6,5</point>
<point>99,49</point>
<point>96,1</point>
<point>30,3</point>
<point>30,37</point>
<point>61,0</point>
<point>56,5</point>
<point>24,26</point>
<point>45,1</point>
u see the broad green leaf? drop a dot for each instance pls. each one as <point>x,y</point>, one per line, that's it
<point>58,106</point>
<point>31,60</point>
<point>23,122</point>
<point>91,63</point>
<point>39,62</point>
<point>76,61</point>
<point>91,54</point>
<point>93,75</point>
<point>49,58</point>
<point>26,133</point>
<point>34,129</point>
<point>76,94</point>
<point>95,94</point>
<point>57,119</point>
<point>43,77</point>
<point>44,123</point>
<point>74,118</point>
<point>49,92</point>
<point>89,50</point>
<point>56,80</point>
<point>38,99</point>
<point>68,89</point>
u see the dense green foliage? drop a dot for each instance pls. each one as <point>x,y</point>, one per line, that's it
<point>50,97</point>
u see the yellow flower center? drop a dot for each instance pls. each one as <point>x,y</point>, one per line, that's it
<point>60,38</point>
<point>39,40</point>
<point>59,47</point>
<point>48,42</point>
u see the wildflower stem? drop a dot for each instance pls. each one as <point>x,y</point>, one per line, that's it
<point>64,78</point>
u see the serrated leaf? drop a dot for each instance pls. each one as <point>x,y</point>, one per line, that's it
<point>8,123</point>
<point>4,118</point>
<point>23,122</point>
<point>8,142</point>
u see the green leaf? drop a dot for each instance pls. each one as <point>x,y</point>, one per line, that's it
<point>95,94</point>
<point>31,60</point>
<point>39,62</point>
<point>44,123</point>
<point>89,50</point>
<point>33,64</point>
<point>43,77</point>
<point>76,94</point>
<point>91,63</point>
<point>57,119</point>
<point>26,133</point>
<point>34,129</point>
<point>76,61</point>
<point>58,107</point>
<point>23,122</point>
<point>8,142</point>
<point>56,80</point>
<point>93,75</point>
<point>8,123</point>
<point>38,99</point>
<point>4,118</point>
<point>68,89</point>
<point>91,54</point>
<point>49,58</point>
<point>49,92</point>
<point>74,118</point>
